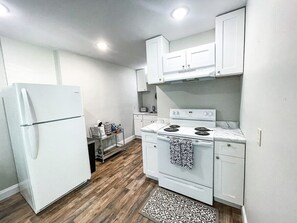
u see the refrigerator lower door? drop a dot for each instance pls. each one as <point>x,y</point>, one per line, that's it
<point>60,161</point>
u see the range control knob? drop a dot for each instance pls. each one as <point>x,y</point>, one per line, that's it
<point>173,112</point>
<point>177,112</point>
<point>210,113</point>
<point>205,113</point>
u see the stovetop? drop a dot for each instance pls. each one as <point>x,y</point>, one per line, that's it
<point>187,132</point>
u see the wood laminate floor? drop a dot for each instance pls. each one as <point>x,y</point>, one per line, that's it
<point>115,193</point>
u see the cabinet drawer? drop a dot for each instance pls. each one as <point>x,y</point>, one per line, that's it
<point>150,117</point>
<point>149,137</point>
<point>230,149</point>
<point>137,116</point>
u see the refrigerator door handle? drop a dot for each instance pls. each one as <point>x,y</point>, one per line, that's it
<point>27,107</point>
<point>32,131</point>
<point>32,138</point>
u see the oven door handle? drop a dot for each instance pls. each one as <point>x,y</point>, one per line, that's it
<point>199,143</point>
<point>166,138</point>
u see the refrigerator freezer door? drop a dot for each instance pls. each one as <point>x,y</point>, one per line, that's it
<point>43,103</point>
<point>62,161</point>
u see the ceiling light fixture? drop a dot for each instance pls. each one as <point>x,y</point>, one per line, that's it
<point>179,13</point>
<point>3,10</point>
<point>102,46</point>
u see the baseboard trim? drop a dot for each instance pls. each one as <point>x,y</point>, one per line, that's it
<point>243,214</point>
<point>9,191</point>
<point>127,140</point>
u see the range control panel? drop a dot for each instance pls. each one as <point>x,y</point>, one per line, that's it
<point>193,114</point>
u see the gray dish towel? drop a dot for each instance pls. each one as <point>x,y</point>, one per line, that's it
<point>187,153</point>
<point>175,151</point>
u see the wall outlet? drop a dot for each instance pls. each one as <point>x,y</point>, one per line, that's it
<point>259,137</point>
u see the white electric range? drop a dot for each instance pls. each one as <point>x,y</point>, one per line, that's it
<point>197,126</point>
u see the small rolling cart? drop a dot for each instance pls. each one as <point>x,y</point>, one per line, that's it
<point>102,153</point>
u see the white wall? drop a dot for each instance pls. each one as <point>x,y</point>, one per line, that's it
<point>26,63</point>
<point>221,94</point>
<point>148,97</point>
<point>269,102</point>
<point>192,41</point>
<point>109,91</point>
<point>7,168</point>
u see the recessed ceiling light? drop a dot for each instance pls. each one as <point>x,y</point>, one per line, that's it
<point>102,46</point>
<point>3,10</point>
<point>179,13</point>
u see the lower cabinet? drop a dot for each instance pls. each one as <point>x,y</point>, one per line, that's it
<point>150,154</point>
<point>141,121</point>
<point>229,168</point>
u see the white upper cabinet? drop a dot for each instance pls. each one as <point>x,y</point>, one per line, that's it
<point>155,49</point>
<point>141,80</point>
<point>201,56</point>
<point>174,61</point>
<point>230,43</point>
<point>189,59</point>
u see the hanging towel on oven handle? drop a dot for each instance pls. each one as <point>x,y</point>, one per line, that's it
<point>187,153</point>
<point>175,151</point>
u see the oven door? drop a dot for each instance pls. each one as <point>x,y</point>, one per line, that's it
<point>202,171</point>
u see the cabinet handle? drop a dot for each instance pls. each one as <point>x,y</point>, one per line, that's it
<point>217,157</point>
<point>228,145</point>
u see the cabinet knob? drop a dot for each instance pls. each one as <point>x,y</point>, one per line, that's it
<point>155,146</point>
<point>217,157</point>
<point>160,79</point>
<point>183,66</point>
<point>188,65</point>
<point>228,145</point>
<point>219,72</point>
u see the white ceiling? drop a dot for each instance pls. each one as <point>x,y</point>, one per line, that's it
<point>76,25</point>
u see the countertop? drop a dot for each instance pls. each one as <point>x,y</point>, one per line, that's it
<point>153,127</point>
<point>145,113</point>
<point>229,135</point>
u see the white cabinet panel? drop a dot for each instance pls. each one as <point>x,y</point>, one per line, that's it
<point>141,80</point>
<point>175,61</point>
<point>230,149</point>
<point>150,154</point>
<point>155,49</point>
<point>150,159</point>
<point>26,63</point>
<point>229,178</point>
<point>230,43</point>
<point>201,56</point>
<point>137,126</point>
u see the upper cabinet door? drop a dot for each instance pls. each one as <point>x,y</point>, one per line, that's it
<point>230,43</point>
<point>201,56</point>
<point>155,49</point>
<point>175,61</point>
<point>141,80</point>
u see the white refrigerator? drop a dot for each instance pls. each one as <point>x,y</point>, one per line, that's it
<point>47,130</point>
